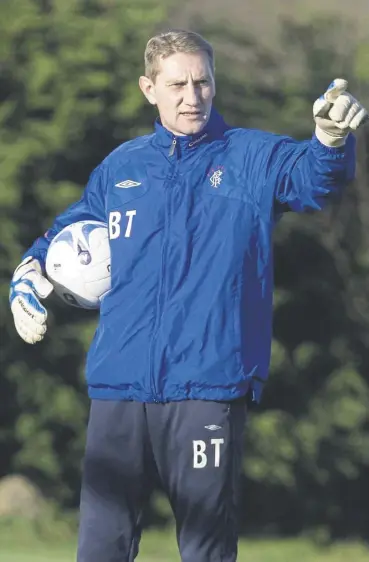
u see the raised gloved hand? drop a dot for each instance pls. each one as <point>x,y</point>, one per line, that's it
<point>336,113</point>
<point>27,286</point>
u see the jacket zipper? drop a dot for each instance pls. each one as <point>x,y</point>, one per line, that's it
<point>172,147</point>
<point>167,187</point>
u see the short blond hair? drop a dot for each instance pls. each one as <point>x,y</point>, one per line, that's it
<point>170,42</point>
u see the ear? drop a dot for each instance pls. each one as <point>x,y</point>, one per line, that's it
<point>147,87</point>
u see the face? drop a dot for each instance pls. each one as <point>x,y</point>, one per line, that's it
<point>183,92</point>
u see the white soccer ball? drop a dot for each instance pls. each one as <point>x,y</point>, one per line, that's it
<point>78,263</point>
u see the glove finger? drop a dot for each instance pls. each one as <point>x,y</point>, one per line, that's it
<point>335,89</point>
<point>345,123</point>
<point>27,335</point>
<point>31,326</point>
<point>329,127</point>
<point>323,104</point>
<point>341,107</point>
<point>23,333</point>
<point>27,306</point>
<point>41,285</point>
<point>321,107</point>
<point>359,119</point>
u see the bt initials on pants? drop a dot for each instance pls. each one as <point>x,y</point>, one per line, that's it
<point>200,457</point>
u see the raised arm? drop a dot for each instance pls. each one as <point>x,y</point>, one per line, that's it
<point>305,174</point>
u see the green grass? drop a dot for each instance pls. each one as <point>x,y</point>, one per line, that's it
<point>161,547</point>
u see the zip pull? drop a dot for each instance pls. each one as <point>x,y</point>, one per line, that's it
<point>173,147</point>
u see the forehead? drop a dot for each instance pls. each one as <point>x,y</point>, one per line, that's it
<point>184,65</point>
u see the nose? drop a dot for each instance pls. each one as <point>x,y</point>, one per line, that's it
<point>192,95</point>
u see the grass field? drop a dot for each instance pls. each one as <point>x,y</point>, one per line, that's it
<point>162,547</point>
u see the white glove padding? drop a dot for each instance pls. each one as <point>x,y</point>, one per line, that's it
<point>336,113</point>
<point>27,285</point>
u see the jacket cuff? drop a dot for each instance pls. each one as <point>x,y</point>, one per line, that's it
<point>332,151</point>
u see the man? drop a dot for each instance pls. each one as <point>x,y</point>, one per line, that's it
<point>185,332</point>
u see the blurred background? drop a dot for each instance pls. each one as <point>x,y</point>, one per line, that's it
<point>68,96</point>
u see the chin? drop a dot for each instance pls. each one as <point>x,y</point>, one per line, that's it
<point>184,127</point>
<point>193,128</point>
<point>191,131</point>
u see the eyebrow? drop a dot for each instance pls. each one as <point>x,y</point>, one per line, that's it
<point>179,81</point>
<point>184,81</point>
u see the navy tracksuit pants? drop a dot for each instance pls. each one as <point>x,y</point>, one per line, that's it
<point>197,449</point>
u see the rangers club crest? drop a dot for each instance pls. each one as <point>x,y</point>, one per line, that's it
<point>216,175</point>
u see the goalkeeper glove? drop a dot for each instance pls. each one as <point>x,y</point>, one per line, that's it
<point>336,114</point>
<point>27,286</point>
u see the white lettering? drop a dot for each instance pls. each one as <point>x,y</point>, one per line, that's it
<point>199,458</point>
<point>114,226</point>
<point>130,215</point>
<point>217,443</point>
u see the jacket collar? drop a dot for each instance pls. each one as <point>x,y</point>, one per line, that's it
<point>214,129</point>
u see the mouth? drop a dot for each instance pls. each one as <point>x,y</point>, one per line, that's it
<point>192,114</point>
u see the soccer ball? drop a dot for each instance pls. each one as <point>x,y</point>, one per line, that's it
<point>78,263</point>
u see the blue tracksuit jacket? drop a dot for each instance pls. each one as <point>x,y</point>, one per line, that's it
<point>189,314</point>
